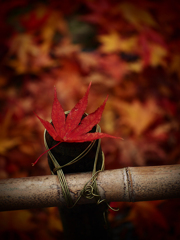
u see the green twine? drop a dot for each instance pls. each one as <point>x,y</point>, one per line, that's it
<point>90,189</point>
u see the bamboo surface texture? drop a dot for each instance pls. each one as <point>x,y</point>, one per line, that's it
<point>129,184</point>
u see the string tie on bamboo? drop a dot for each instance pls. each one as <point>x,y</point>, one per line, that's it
<point>90,189</point>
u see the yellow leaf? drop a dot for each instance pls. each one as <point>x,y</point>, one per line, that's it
<point>115,42</point>
<point>174,64</point>
<point>16,220</point>
<point>55,23</point>
<point>8,143</point>
<point>54,222</point>
<point>158,54</point>
<point>136,16</point>
<point>135,66</point>
<point>108,119</point>
<point>23,46</point>
<point>137,115</point>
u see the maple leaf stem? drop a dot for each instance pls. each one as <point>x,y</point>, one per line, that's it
<point>33,164</point>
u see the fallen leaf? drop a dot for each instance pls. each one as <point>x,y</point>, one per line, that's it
<point>66,48</point>
<point>22,46</point>
<point>138,116</point>
<point>113,66</point>
<point>35,19</point>
<point>114,42</point>
<point>157,55</point>
<point>137,16</point>
<point>161,132</point>
<point>174,64</point>
<point>145,216</point>
<point>140,152</point>
<point>17,220</point>
<point>8,143</point>
<point>152,48</point>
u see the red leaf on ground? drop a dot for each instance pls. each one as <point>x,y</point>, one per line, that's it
<point>33,21</point>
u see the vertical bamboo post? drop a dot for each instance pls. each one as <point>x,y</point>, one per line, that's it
<point>82,221</point>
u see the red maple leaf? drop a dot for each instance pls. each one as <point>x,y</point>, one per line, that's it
<point>73,128</point>
<point>32,21</point>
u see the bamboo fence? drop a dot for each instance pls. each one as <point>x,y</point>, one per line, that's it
<point>130,184</point>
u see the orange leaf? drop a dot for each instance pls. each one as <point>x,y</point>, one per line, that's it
<point>137,16</point>
<point>114,42</point>
<point>146,215</point>
<point>137,115</point>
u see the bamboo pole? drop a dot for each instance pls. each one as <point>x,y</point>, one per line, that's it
<point>129,184</point>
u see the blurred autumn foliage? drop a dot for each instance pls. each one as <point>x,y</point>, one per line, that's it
<point>127,49</point>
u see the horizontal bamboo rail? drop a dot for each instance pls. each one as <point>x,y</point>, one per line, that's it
<point>129,184</point>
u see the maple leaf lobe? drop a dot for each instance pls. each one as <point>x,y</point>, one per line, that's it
<point>74,128</point>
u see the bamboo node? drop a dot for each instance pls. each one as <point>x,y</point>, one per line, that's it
<point>130,185</point>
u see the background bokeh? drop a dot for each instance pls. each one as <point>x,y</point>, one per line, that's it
<point>129,50</point>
